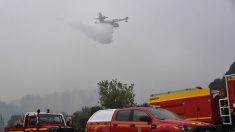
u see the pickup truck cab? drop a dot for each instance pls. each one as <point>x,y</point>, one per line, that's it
<point>143,119</point>
<point>41,121</point>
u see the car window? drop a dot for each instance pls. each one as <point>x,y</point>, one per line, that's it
<point>163,114</point>
<point>47,118</point>
<point>123,115</point>
<point>138,115</point>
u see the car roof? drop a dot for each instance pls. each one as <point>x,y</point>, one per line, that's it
<point>136,108</point>
<point>35,113</point>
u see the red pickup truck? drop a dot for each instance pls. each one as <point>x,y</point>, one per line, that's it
<point>143,119</point>
<point>41,121</point>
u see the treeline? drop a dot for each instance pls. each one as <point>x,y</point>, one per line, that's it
<point>64,101</point>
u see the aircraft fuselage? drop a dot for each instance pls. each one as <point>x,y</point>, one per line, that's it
<point>113,22</point>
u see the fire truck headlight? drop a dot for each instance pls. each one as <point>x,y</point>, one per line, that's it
<point>185,128</point>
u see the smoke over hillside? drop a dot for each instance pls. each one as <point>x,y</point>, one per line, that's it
<point>68,102</point>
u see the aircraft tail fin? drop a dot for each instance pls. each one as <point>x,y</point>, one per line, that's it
<point>100,14</point>
<point>101,17</point>
<point>126,19</point>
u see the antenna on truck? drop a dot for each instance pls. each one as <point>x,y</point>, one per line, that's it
<point>38,111</point>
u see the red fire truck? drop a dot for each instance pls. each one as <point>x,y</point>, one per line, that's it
<point>202,104</point>
<point>42,122</point>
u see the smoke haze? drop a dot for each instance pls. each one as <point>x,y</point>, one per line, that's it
<point>69,102</point>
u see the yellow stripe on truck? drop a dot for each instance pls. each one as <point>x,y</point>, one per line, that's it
<point>232,79</point>
<point>143,126</point>
<point>122,125</point>
<point>200,118</point>
<point>180,95</point>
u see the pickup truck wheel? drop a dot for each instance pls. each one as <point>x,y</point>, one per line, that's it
<point>220,128</point>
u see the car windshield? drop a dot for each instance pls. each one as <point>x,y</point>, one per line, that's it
<point>163,114</point>
<point>49,118</point>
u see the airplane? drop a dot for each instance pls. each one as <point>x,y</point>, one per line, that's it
<point>113,22</point>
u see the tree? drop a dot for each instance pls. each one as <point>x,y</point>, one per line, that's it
<point>219,83</point>
<point>93,109</point>
<point>231,69</point>
<point>114,94</point>
<point>80,118</point>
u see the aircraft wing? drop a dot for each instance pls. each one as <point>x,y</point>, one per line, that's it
<point>118,20</point>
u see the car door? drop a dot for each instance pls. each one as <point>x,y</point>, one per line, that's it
<point>139,120</point>
<point>122,122</point>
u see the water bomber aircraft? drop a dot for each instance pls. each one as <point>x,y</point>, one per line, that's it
<point>113,22</point>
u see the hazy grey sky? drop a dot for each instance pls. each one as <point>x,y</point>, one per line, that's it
<point>167,44</point>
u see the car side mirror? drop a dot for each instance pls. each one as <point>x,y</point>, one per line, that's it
<point>145,119</point>
<point>153,126</point>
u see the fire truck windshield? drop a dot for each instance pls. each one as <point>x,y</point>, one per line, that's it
<point>50,118</point>
<point>163,114</point>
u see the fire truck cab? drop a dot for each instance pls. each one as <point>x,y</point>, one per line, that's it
<point>227,101</point>
<point>202,104</point>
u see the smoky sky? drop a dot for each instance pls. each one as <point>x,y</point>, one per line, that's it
<point>166,45</point>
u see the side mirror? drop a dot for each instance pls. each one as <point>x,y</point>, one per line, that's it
<point>68,123</point>
<point>19,125</point>
<point>153,126</point>
<point>145,119</point>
